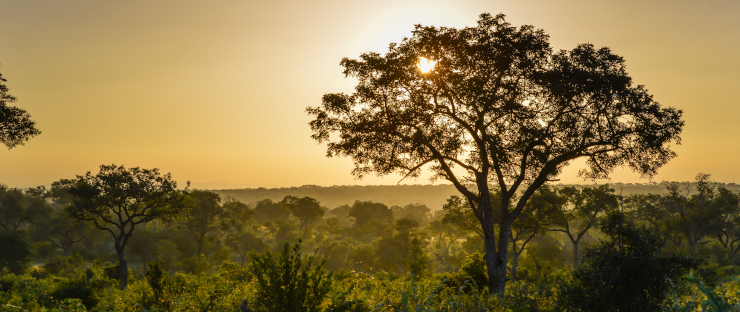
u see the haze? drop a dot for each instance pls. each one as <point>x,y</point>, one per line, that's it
<point>214,92</point>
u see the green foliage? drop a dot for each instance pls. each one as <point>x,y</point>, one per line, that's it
<point>25,292</point>
<point>627,265</point>
<point>290,284</point>
<point>715,301</point>
<point>76,289</point>
<point>156,277</point>
<point>69,305</point>
<point>195,265</point>
<point>417,212</point>
<point>370,215</point>
<point>201,216</point>
<point>472,276</point>
<point>306,209</point>
<point>69,266</point>
<point>234,272</point>
<point>111,271</point>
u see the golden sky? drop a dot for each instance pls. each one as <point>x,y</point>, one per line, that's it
<point>215,91</point>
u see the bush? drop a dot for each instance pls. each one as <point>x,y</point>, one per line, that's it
<point>76,289</point>
<point>234,272</point>
<point>473,275</point>
<point>624,273</point>
<point>291,284</point>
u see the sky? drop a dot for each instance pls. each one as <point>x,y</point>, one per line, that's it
<point>215,92</point>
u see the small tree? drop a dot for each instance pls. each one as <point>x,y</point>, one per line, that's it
<point>418,212</point>
<point>19,209</point>
<point>267,210</point>
<point>402,251</point>
<point>584,212</point>
<point>370,217</point>
<point>306,209</point>
<point>243,243</point>
<point>117,199</point>
<point>202,216</point>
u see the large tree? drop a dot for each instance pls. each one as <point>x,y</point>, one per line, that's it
<point>499,107</point>
<point>117,199</point>
<point>16,126</point>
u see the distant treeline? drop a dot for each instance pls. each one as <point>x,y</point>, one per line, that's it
<point>433,196</point>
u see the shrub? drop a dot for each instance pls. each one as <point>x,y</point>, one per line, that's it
<point>472,275</point>
<point>76,289</point>
<point>624,273</point>
<point>291,284</point>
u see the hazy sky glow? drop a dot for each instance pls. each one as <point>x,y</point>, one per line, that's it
<point>215,91</point>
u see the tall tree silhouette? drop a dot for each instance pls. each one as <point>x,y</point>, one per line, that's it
<point>503,108</point>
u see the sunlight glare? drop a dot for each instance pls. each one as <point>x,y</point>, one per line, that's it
<point>425,65</point>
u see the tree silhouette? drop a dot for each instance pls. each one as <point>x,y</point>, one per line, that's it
<point>117,199</point>
<point>500,106</point>
<point>16,126</point>
<point>700,215</point>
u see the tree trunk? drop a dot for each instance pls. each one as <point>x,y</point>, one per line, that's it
<point>122,267</point>
<point>489,241</point>
<point>576,261</point>
<point>201,237</point>
<point>514,264</point>
<point>501,259</point>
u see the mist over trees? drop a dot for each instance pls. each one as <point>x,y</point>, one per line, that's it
<point>490,109</point>
<point>202,233</point>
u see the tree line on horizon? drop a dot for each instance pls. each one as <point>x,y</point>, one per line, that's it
<point>144,217</point>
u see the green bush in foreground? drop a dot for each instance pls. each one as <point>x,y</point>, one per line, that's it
<point>624,273</point>
<point>291,284</point>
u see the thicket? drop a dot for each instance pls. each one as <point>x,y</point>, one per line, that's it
<point>219,254</point>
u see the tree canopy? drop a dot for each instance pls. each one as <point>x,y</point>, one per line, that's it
<point>306,209</point>
<point>16,126</point>
<point>497,106</point>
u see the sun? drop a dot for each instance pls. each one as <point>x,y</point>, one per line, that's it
<point>425,65</point>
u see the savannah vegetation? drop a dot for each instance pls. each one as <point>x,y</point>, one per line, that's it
<point>498,117</point>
